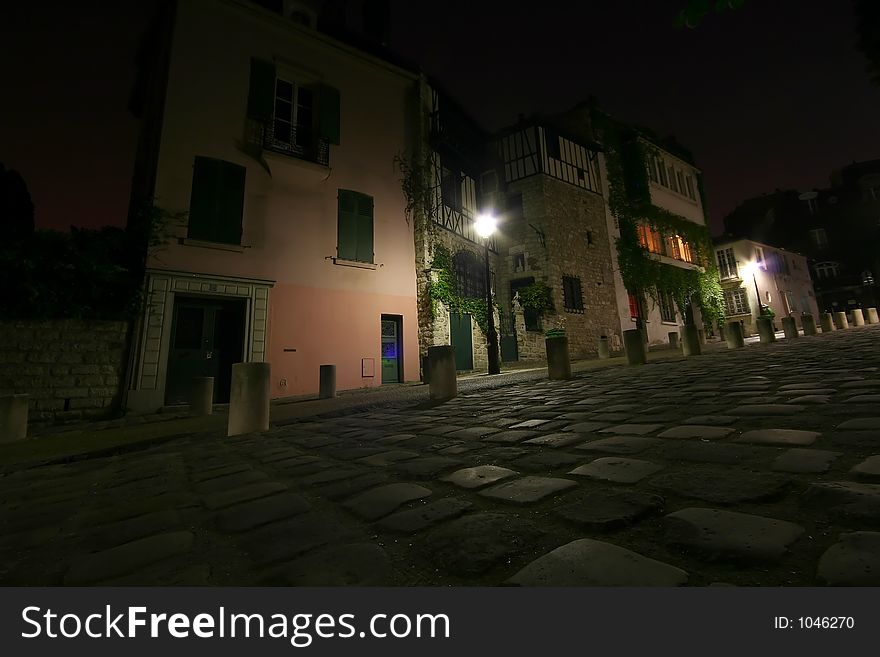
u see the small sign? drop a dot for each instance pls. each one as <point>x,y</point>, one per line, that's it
<point>368,367</point>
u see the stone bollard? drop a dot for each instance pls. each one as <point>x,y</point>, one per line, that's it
<point>604,350</point>
<point>734,334</point>
<point>809,324</point>
<point>872,316</point>
<point>426,372</point>
<point>721,333</point>
<point>634,345</point>
<point>443,383</point>
<point>690,341</point>
<point>249,398</point>
<point>13,417</point>
<point>326,381</point>
<point>827,323</point>
<point>558,363</point>
<point>858,317</point>
<point>201,396</point>
<point>789,327</point>
<point>701,334</point>
<point>766,334</point>
<point>840,321</point>
<point>673,339</point>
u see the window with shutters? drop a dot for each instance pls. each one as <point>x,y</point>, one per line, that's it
<point>297,117</point>
<point>216,202</point>
<point>355,227</point>
<point>736,302</point>
<point>572,295</point>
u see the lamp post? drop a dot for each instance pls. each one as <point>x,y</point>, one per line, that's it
<point>750,268</point>
<point>485,225</point>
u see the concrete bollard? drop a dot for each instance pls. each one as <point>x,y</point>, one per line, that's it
<point>201,396</point>
<point>690,341</point>
<point>734,334</point>
<point>789,327</point>
<point>809,324</point>
<point>558,363</point>
<point>827,323</point>
<point>604,350</point>
<point>443,383</point>
<point>722,333</point>
<point>840,321</point>
<point>13,417</point>
<point>326,381</point>
<point>634,345</point>
<point>766,334</point>
<point>872,316</point>
<point>858,317</point>
<point>673,339</point>
<point>249,398</point>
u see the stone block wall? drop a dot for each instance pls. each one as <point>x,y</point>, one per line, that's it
<point>71,369</point>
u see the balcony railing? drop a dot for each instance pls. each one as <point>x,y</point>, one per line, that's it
<point>299,143</point>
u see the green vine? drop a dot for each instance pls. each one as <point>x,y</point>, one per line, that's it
<point>629,201</point>
<point>416,184</point>
<point>443,289</point>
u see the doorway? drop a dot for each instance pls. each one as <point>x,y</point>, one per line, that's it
<point>392,362</point>
<point>207,337</point>
<point>461,337</point>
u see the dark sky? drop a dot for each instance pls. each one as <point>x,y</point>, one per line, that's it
<point>772,95</point>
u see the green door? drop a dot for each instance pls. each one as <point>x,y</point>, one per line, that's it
<point>391,349</point>
<point>461,336</point>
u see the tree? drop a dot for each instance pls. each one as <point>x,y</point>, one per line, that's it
<point>16,206</point>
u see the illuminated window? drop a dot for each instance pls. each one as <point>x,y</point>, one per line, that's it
<point>736,302</point>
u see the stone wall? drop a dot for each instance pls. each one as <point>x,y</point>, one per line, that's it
<point>562,232</point>
<point>70,368</point>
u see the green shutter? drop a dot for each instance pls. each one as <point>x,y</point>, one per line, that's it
<point>261,94</point>
<point>230,204</point>
<point>365,228</point>
<point>328,117</point>
<point>202,205</point>
<point>217,201</point>
<point>347,233</point>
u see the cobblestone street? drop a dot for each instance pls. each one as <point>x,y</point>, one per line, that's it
<point>755,467</point>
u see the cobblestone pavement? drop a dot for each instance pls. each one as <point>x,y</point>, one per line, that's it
<point>752,467</point>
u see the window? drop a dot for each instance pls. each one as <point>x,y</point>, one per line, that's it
<point>470,275</point>
<point>652,170</point>
<point>572,297</point>
<point>217,201</point>
<point>589,238</point>
<point>650,239</point>
<point>736,302</point>
<point>661,169</point>
<point>634,306</point>
<point>450,188</point>
<point>667,306</point>
<point>672,183</point>
<point>530,315</point>
<point>679,177</point>
<point>819,237</point>
<point>726,264</point>
<point>299,117</point>
<point>759,257</point>
<point>690,188</point>
<point>790,303</point>
<point>827,269</point>
<point>355,226</point>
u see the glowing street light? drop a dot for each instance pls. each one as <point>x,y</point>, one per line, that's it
<point>485,225</point>
<point>751,267</point>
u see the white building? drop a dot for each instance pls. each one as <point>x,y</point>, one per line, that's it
<point>754,276</point>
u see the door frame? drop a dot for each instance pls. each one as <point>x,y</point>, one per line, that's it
<point>398,320</point>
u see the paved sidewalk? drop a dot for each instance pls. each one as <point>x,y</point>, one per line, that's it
<point>759,466</point>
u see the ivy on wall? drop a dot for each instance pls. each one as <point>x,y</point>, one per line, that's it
<point>444,289</point>
<point>629,199</point>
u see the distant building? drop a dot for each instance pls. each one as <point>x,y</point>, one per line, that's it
<point>755,275</point>
<point>278,143</point>
<point>837,228</point>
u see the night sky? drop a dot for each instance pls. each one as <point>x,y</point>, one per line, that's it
<point>772,95</point>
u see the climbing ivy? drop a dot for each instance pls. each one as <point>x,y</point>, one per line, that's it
<point>416,184</point>
<point>538,297</point>
<point>444,289</point>
<point>629,201</point>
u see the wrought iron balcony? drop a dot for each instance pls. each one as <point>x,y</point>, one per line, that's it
<point>299,143</point>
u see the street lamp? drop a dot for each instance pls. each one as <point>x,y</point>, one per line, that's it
<point>751,268</point>
<point>485,225</point>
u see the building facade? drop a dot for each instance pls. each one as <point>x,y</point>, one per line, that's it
<point>277,147</point>
<point>755,276</point>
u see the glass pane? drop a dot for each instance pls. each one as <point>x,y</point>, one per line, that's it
<point>282,131</point>
<point>284,90</point>
<point>283,109</point>
<point>305,97</point>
